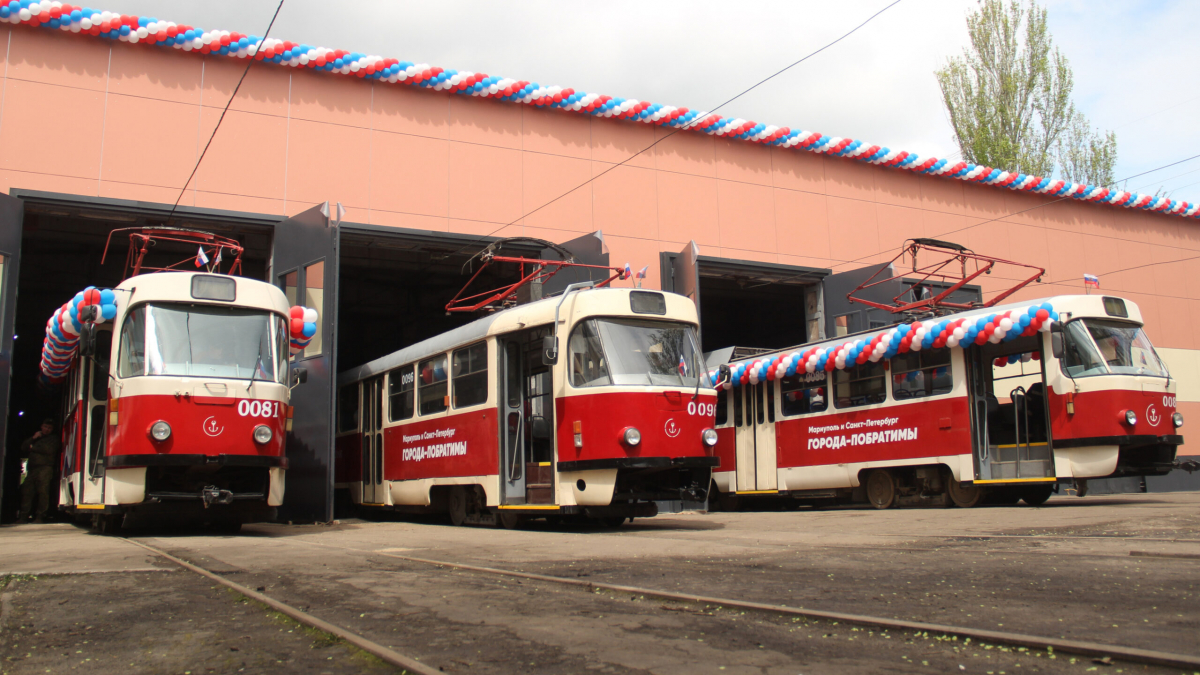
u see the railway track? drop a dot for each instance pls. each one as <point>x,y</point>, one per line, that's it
<point>1059,645</point>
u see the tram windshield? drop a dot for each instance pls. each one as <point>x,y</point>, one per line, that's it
<point>1103,347</point>
<point>203,341</point>
<point>635,352</point>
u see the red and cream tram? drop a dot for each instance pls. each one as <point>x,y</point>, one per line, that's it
<point>488,424</point>
<point>175,397</point>
<point>999,403</point>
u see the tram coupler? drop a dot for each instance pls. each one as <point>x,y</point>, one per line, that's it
<point>215,495</point>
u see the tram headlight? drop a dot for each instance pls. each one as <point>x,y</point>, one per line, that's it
<point>262,434</point>
<point>1177,419</point>
<point>709,436</point>
<point>631,436</point>
<point>1130,418</point>
<point>160,431</point>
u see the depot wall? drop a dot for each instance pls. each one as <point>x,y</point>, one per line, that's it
<point>92,117</point>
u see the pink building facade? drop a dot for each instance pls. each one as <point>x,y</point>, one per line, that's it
<point>103,119</point>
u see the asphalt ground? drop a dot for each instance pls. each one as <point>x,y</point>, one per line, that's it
<point>1117,570</point>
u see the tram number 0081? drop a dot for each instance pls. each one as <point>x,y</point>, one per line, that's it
<point>702,409</point>
<point>248,408</point>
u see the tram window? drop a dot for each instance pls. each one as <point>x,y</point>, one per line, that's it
<point>400,393</point>
<point>432,390</point>
<point>921,374</point>
<point>722,407</point>
<point>133,345</point>
<point>647,302</point>
<point>770,401</point>
<point>100,378</point>
<point>470,375</point>
<point>737,405</point>
<point>802,394</point>
<point>759,405</point>
<point>864,384</point>
<point>348,408</point>
<point>588,367</point>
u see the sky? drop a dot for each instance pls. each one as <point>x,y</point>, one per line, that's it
<point>1136,64</point>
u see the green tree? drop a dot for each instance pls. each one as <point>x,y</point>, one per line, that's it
<point>1009,99</point>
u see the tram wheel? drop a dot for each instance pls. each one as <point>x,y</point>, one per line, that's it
<point>1037,496</point>
<point>963,497</point>
<point>107,523</point>
<point>881,489</point>
<point>458,505</point>
<point>611,521</point>
<point>509,520</point>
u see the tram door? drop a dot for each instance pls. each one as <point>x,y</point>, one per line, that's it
<point>1010,424</point>
<point>754,422</point>
<point>94,399</point>
<point>527,414</point>
<point>512,421</point>
<point>372,442</point>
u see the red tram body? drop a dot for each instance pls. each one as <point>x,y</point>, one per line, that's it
<point>1003,418</point>
<point>184,409</point>
<point>488,424</point>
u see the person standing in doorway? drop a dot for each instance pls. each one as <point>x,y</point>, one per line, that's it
<point>42,452</point>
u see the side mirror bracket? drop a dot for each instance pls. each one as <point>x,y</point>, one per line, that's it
<point>299,376</point>
<point>549,350</point>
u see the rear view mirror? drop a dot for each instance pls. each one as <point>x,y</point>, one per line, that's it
<point>549,350</point>
<point>723,375</point>
<point>87,340</point>
<point>299,376</point>
<point>1056,344</point>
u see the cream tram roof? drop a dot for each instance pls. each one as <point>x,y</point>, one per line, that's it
<point>177,287</point>
<point>590,302</point>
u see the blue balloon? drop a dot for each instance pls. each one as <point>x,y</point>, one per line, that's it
<point>1046,306</point>
<point>310,329</point>
<point>108,311</point>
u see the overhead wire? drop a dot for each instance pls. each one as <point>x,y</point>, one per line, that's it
<point>684,127</point>
<point>249,62</point>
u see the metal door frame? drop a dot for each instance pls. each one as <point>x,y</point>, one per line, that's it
<point>512,442</point>
<point>371,437</point>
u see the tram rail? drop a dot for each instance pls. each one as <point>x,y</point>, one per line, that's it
<point>1057,645</point>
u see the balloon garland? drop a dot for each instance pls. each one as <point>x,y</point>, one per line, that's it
<point>149,30</point>
<point>63,328</point>
<point>302,326</point>
<point>942,333</point>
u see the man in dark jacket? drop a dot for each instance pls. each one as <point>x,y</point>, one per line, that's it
<point>42,451</point>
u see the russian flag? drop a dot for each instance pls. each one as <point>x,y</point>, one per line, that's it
<point>1091,280</point>
<point>201,259</point>
<point>682,366</point>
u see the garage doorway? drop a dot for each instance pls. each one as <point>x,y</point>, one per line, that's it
<point>745,303</point>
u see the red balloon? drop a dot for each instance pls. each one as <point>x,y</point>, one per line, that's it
<point>297,326</point>
<point>981,338</point>
<point>296,312</point>
<point>1042,315</point>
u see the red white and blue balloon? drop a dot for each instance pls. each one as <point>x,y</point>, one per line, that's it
<point>943,333</point>
<point>62,330</point>
<point>302,326</point>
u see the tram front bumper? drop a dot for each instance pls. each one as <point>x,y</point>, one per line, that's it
<point>1137,454</point>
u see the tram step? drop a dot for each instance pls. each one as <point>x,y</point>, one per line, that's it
<point>539,494</point>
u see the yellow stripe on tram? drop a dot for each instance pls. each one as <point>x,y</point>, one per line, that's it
<point>89,506</point>
<point>756,492</point>
<point>1019,480</point>
<point>528,507</point>
<point>1024,445</point>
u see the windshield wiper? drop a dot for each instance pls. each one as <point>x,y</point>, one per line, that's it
<point>254,372</point>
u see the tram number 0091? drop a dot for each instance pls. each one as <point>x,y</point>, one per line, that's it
<point>248,408</point>
<point>702,409</point>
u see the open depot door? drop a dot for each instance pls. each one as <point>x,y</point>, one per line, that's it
<point>304,264</point>
<point>11,218</point>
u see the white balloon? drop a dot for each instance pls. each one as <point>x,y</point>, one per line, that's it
<point>310,315</point>
<point>1046,325</point>
<point>915,346</point>
<point>1006,324</point>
